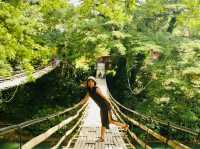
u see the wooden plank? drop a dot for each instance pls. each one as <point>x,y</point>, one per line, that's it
<point>90,136</point>
<point>80,143</point>
<point>80,139</point>
<point>90,142</point>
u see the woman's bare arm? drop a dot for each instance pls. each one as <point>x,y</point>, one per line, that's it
<point>85,99</point>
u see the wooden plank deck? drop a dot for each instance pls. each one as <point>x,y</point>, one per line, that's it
<point>90,130</point>
<point>88,136</point>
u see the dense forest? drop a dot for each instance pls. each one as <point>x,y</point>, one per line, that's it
<point>154,46</point>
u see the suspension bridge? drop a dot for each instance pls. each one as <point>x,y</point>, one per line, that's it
<point>85,129</point>
<point>21,78</point>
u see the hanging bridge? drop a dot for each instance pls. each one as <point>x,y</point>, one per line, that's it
<point>85,129</point>
<point>21,78</point>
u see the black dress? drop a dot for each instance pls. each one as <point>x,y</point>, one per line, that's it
<point>103,105</point>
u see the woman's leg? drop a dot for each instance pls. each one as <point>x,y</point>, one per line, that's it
<point>116,122</point>
<point>102,128</point>
<point>102,134</point>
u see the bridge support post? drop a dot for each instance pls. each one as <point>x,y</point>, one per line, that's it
<point>198,137</point>
<point>146,136</point>
<point>147,132</point>
<point>20,137</point>
<point>168,135</point>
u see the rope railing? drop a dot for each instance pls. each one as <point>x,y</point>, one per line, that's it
<point>73,137</point>
<point>129,142</point>
<point>11,128</point>
<point>42,137</point>
<point>172,143</point>
<point>132,134</point>
<point>67,133</point>
<point>170,124</point>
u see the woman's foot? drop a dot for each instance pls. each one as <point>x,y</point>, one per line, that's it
<point>100,139</point>
<point>125,127</point>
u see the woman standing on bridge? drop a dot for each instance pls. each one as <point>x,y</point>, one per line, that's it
<point>105,107</point>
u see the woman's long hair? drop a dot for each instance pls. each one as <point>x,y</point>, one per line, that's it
<point>88,88</point>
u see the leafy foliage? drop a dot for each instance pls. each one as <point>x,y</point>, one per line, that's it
<point>154,46</point>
